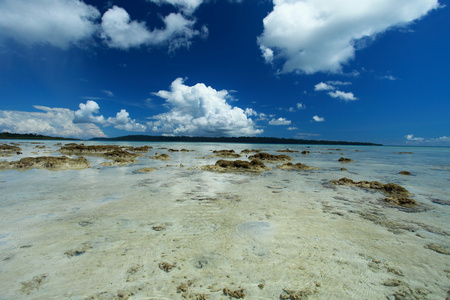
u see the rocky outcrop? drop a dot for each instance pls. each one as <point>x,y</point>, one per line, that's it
<point>226,153</point>
<point>140,149</point>
<point>247,151</point>
<point>77,149</point>
<point>223,166</point>
<point>46,162</point>
<point>345,160</point>
<point>287,150</point>
<point>397,195</point>
<point>145,170</point>
<point>305,152</point>
<point>161,156</point>
<point>9,150</point>
<point>270,158</point>
<point>407,173</point>
<point>297,167</point>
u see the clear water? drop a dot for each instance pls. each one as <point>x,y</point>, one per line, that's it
<point>102,232</point>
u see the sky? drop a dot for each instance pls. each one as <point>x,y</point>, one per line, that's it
<point>342,70</point>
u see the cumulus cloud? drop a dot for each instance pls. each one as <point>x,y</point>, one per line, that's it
<point>59,23</point>
<point>123,121</point>
<point>52,121</point>
<point>429,141</point>
<point>322,86</point>
<point>321,35</point>
<point>201,110</point>
<point>119,31</point>
<point>301,106</point>
<point>331,86</point>
<point>279,121</point>
<point>343,95</point>
<point>86,113</point>
<point>316,118</point>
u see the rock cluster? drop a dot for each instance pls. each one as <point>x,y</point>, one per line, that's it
<point>9,150</point>
<point>226,153</point>
<point>160,156</point>
<point>297,167</point>
<point>270,158</point>
<point>287,150</point>
<point>397,195</point>
<point>222,166</point>
<point>46,162</point>
<point>345,160</point>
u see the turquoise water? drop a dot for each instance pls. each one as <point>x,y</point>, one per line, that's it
<point>283,229</point>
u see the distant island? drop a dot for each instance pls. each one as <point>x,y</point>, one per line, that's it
<point>191,139</point>
<point>30,136</point>
<point>239,140</point>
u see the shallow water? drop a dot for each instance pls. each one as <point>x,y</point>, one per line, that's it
<point>103,232</point>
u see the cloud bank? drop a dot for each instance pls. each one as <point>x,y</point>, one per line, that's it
<point>64,23</point>
<point>202,111</point>
<point>310,36</point>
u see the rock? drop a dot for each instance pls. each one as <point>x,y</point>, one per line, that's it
<point>119,153</point>
<point>404,173</point>
<point>238,294</point>
<point>343,169</point>
<point>52,163</point>
<point>247,151</point>
<point>166,267</point>
<point>8,150</point>
<point>254,166</point>
<point>345,160</point>
<point>76,149</point>
<point>304,152</point>
<point>161,156</point>
<point>397,195</point>
<point>145,170</point>
<point>287,150</point>
<point>297,167</point>
<point>270,158</point>
<point>141,149</point>
<point>438,248</point>
<point>226,153</point>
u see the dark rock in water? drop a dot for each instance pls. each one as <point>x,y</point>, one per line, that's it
<point>397,195</point>
<point>345,160</point>
<point>297,167</point>
<point>161,156</point>
<point>287,151</point>
<point>270,158</point>
<point>438,248</point>
<point>8,150</point>
<point>46,162</point>
<point>226,153</point>
<point>246,151</point>
<point>237,166</point>
<point>304,152</point>
<point>343,169</point>
<point>404,173</point>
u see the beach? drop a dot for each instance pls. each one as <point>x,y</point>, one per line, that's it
<point>181,230</point>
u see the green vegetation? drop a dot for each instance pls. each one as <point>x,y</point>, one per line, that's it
<point>241,140</point>
<point>29,136</point>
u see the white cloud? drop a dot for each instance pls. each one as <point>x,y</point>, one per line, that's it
<point>108,93</point>
<point>123,121</point>
<point>343,95</point>
<point>59,23</point>
<point>187,6</point>
<point>267,54</point>
<point>410,137</point>
<point>321,35</point>
<point>292,128</point>
<point>279,121</point>
<point>316,118</point>
<point>120,32</point>
<point>86,113</point>
<point>53,122</point>
<point>301,106</point>
<point>201,110</point>
<point>322,86</point>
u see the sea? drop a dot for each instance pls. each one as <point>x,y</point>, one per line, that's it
<point>182,232</point>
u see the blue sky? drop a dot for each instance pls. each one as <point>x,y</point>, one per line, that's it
<point>370,71</point>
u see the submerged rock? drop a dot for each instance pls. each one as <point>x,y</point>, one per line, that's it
<point>145,170</point>
<point>76,149</point>
<point>119,162</point>
<point>270,158</point>
<point>397,195</point>
<point>297,167</point>
<point>247,151</point>
<point>46,162</point>
<point>305,152</point>
<point>9,150</point>
<point>254,166</point>
<point>407,173</point>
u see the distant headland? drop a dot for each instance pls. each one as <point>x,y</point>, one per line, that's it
<point>192,139</point>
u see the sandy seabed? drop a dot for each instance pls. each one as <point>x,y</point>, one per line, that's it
<point>183,233</point>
